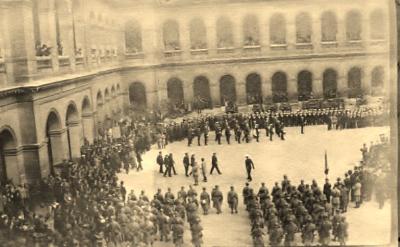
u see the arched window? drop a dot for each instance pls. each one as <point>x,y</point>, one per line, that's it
<point>224,33</point>
<point>55,146</point>
<point>253,89</point>
<point>198,34</point>
<point>74,131</point>
<point>279,87</point>
<point>377,80</point>
<point>171,35</point>
<point>137,95</point>
<point>304,85</point>
<point>329,84</point>
<point>353,26</point>
<point>175,91</point>
<point>251,31</point>
<point>8,162</point>
<point>133,37</point>
<point>201,91</point>
<point>303,28</point>
<point>227,89</point>
<point>328,27</point>
<point>354,82</point>
<point>377,25</point>
<point>277,29</point>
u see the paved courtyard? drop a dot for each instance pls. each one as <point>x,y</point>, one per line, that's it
<point>299,157</point>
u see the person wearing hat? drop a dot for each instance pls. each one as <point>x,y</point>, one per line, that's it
<point>203,167</point>
<point>205,201</point>
<point>233,200</point>
<point>160,161</point>
<point>186,163</point>
<point>342,232</point>
<point>217,198</point>
<point>327,190</point>
<point>308,231</point>
<point>249,165</point>
<point>195,172</point>
<point>214,164</point>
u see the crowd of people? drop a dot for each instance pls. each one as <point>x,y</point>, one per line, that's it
<point>82,203</point>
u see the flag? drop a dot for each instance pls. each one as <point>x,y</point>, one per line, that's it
<point>326,164</point>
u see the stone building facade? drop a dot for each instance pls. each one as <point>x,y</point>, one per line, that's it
<point>68,65</point>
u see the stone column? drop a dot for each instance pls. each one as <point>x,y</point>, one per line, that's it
<point>211,36</point>
<point>266,86</point>
<point>316,33</point>
<point>366,80</point>
<point>48,34</point>
<point>58,140</point>
<point>241,96</point>
<point>341,34</point>
<point>184,39</point>
<point>215,94</point>
<point>20,60</point>
<point>188,92</point>
<point>291,32</point>
<point>317,87</point>
<point>342,82</point>
<point>292,87</point>
<point>75,138</point>
<point>64,13</point>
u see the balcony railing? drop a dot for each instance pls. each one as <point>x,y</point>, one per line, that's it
<point>329,44</point>
<point>354,43</point>
<point>251,49</point>
<point>173,53</point>
<point>79,60</point>
<point>225,50</point>
<point>43,62</point>
<point>304,46</point>
<point>195,52</point>
<point>136,55</point>
<point>63,61</point>
<point>277,47</point>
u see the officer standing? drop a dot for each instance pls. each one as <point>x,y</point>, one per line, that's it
<point>167,166</point>
<point>204,169</point>
<point>218,134</point>
<point>160,161</point>
<point>228,134</point>
<point>195,172</point>
<point>172,163</point>
<point>233,200</point>
<point>186,163</point>
<point>214,164</point>
<point>205,201</point>
<point>271,131</point>
<point>217,198</point>
<point>249,165</point>
<point>206,130</point>
<point>327,190</point>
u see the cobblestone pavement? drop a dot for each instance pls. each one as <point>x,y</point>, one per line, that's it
<point>299,157</point>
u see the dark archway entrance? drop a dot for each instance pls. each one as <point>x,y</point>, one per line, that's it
<point>279,87</point>
<point>137,95</point>
<point>227,89</point>
<point>304,85</point>
<point>201,92</point>
<point>253,89</point>
<point>55,148</point>
<point>175,91</point>
<point>8,159</point>
<point>329,84</point>
<point>354,82</point>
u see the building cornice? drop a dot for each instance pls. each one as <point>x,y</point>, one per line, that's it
<point>54,82</point>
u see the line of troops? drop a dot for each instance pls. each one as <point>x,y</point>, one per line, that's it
<point>289,210</point>
<point>244,126</point>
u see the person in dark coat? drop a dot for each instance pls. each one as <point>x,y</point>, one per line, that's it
<point>214,164</point>
<point>327,190</point>
<point>186,164</point>
<point>249,165</point>
<point>160,161</point>
<point>228,134</point>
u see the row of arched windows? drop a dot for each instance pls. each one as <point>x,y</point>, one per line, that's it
<point>251,30</point>
<point>279,86</point>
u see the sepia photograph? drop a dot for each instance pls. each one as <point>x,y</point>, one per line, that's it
<point>199,123</point>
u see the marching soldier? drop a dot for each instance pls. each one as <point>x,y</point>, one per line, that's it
<point>204,169</point>
<point>238,133</point>
<point>217,198</point>
<point>182,195</point>
<point>233,200</point>
<point>246,194</point>
<point>257,131</point>
<point>214,164</point>
<point>218,134</point>
<point>342,231</point>
<point>270,131</point>
<point>177,234</point>
<point>197,232</point>
<point>205,201</point>
<point>168,166</point>
<point>308,232</point>
<point>263,192</point>
<point>249,165</point>
<point>198,134</point>
<point>195,172</point>
<point>275,235</point>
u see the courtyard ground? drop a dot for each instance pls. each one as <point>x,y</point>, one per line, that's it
<point>299,157</point>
